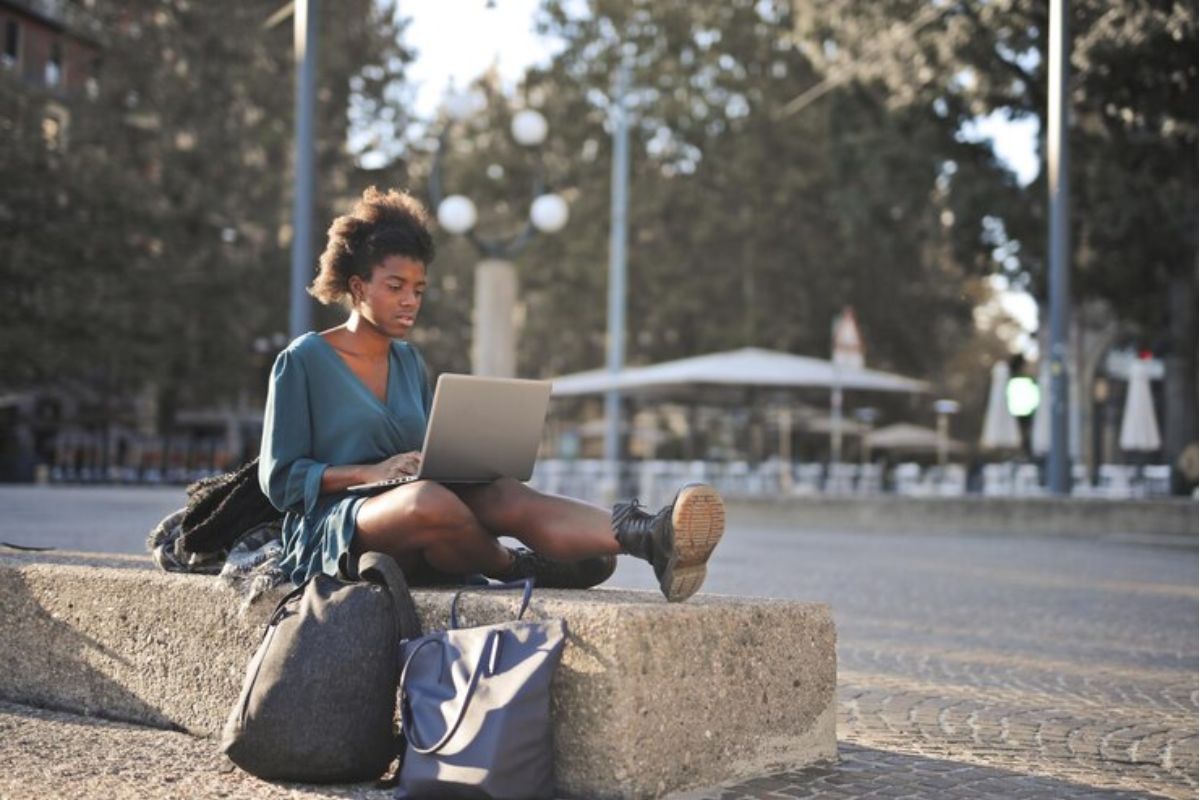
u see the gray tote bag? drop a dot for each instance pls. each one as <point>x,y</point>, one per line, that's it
<point>475,705</point>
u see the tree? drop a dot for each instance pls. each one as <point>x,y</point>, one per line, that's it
<point>1133,113</point>
<point>747,228</point>
<point>153,249</point>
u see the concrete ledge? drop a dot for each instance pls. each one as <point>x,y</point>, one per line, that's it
<point>1167,521</point>
<point>650,698</point>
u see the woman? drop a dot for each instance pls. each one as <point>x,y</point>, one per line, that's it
<point>349,406</point>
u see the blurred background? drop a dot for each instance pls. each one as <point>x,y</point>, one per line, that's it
<point>825,222</point>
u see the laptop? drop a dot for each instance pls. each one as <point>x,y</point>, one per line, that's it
<point>480,429</point>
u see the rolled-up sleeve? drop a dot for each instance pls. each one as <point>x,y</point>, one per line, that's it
<point>287,473</point>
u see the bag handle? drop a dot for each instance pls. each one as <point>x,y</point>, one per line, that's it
<point>487,656</point>
<point>382,570</point>
<point>526,584</point>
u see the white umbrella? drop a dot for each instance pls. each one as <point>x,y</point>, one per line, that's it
<point>911,438</point>
<point>1039,437</point>
<point>747,367</point>
<point>1139,427</point>
<point>1000,430</point>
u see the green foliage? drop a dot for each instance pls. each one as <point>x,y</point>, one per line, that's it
<point>155,247</point>
<point>747,227</point>
<point>1132,109</point>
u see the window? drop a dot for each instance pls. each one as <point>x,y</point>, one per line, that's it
<point>12,43</point>
<point>54,70</point>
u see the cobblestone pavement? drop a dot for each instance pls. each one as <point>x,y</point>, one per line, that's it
<point>980,666</point>
<point>969,666</point>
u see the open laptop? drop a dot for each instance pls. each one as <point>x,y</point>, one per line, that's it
<point>480,429</point>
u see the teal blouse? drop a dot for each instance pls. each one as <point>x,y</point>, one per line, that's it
<point>320,414</point>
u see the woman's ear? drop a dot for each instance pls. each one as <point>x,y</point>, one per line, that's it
<point>355,285</point>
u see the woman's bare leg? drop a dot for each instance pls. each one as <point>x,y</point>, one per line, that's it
<point>428,519</point>
<point>557,527</point>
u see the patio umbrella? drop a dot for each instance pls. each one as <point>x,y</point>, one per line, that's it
<point>1000,430</point>
<point>1039,439</point>
<point>911,439</point>
<point>1139,427</point>
<point>744,368</point>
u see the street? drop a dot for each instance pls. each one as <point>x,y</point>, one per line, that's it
<point>972,666</point>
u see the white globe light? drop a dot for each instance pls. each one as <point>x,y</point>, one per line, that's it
<point>456,214</point>
<point>462,104</point>
<point>529,127</point>
<point>549,213</point>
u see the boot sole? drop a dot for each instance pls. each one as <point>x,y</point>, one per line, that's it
<point>698,520</point>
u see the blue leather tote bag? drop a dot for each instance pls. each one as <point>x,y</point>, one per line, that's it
<point>475,707</point>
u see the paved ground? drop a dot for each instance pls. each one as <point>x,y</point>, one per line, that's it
<point>968,666</point>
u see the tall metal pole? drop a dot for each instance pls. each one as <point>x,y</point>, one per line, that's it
<point>616,270</point>
<point>305,20</point>
<point>1058,466</point>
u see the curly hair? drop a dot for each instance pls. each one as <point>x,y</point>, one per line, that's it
<point>380,225</point>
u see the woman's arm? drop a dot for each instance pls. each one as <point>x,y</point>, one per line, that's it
<point>336,479</point>
<point>288,474</point>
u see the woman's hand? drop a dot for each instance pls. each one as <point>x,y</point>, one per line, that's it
<point>398,466</point>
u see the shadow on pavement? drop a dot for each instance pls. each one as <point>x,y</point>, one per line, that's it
<point>864,772</point>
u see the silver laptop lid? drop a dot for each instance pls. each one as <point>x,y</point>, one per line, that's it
<point>482,428</point>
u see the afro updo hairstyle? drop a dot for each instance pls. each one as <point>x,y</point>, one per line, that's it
<point>379,225</point>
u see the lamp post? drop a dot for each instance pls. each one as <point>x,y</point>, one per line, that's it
<point>944,408</point>
<point>1059,464</point>
<point>866,416</point>
<point>494,340</point>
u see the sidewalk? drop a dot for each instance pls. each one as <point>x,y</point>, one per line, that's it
<point>45,754</point>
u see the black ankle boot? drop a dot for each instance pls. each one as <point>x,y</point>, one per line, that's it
<point>547,573</point>
<point>677,541</point>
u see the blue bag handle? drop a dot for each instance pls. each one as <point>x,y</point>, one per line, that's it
<point>487,657</point>
<point>526,584</point>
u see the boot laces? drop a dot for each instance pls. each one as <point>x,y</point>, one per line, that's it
<point>632,517</point>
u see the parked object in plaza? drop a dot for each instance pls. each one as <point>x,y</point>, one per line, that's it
<point>1000,430</point>
<point>1139,426</point>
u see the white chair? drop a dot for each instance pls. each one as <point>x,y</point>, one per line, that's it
<point>906,478</point>
<point>998,480</point>
<point>841,479</point>
<point>1081,481</point>
<point>806,478</point>
<point>870,479</point>
<point>1156,480</point>
<point>1116,481</point>
<point>1027,481</point>
<point>951,481</point>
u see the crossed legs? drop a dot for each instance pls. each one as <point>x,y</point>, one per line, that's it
<point>456,529</point>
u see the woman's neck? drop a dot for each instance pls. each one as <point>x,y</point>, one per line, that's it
<point>367,339</point>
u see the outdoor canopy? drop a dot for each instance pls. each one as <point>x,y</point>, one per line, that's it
<point>747,367</point>
<point>911,438</point>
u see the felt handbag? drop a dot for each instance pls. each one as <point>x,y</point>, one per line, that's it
<point>475,708</point>
<point>319,698</point>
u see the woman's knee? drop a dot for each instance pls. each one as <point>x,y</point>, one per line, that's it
<point>504,504</point>
<point>433,506</point>
<point>416,508</point>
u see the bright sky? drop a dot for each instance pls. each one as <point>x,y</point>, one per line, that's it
<point>460,39</point>
<point>457,40</point>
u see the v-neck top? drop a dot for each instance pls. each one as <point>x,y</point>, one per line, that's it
<point>319,414</point>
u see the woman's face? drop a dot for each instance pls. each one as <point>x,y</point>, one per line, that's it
<point>391,299</point>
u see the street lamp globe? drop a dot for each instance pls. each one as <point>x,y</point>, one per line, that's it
<point>456,214</point>
<point>549,213</point>
<point>461,104</point>
<point>529,128</point>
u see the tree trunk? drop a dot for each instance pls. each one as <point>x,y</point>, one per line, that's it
<point>1180,395</point>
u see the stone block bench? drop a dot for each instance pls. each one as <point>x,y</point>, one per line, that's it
<point>650,698</point>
